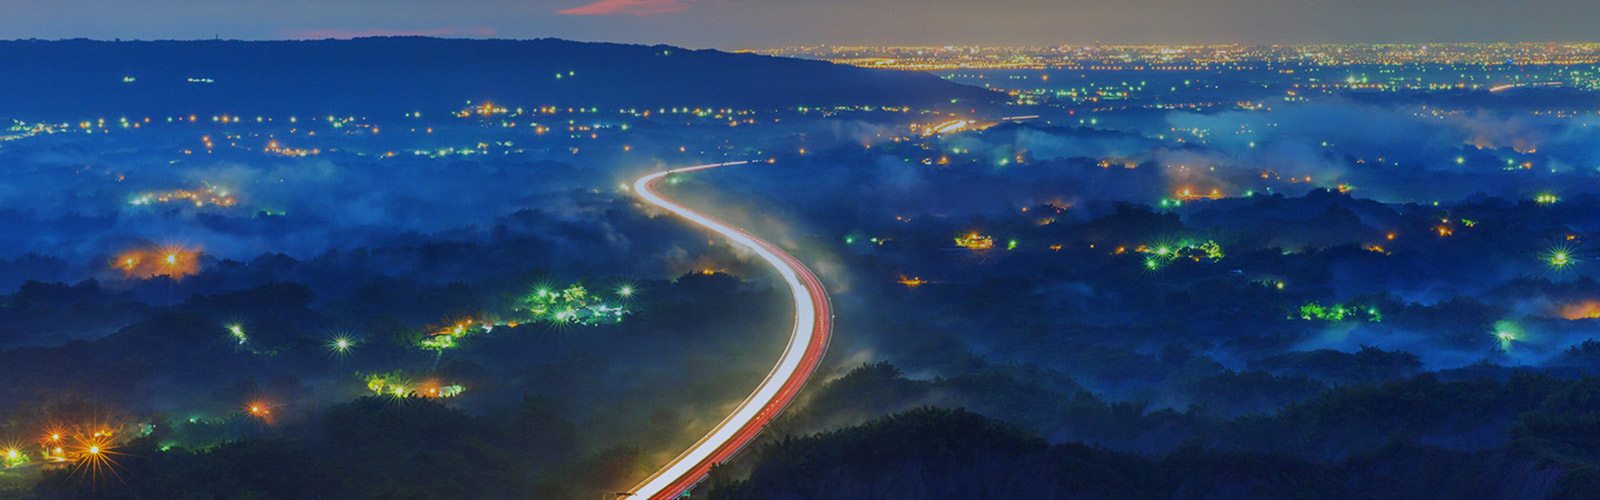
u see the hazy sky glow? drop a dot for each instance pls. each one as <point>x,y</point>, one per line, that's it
<point>736,24</point>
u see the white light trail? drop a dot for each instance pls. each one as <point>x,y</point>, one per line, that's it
<point>800,341</point>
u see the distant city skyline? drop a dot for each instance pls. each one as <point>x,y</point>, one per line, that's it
<point>759,24</point>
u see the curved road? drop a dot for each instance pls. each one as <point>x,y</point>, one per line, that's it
<point>813,323</point>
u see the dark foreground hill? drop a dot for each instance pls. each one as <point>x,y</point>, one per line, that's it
<point>82,78</point>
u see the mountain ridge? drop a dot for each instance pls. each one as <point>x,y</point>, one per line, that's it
<point>80,78</point>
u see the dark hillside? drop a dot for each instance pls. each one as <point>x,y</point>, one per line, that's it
<point>402,75</point>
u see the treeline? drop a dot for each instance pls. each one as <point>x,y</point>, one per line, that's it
<point>1312,422</point>
<point>373,447</point>
<point>936,453</point>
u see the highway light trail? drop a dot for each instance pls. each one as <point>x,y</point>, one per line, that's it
<point>813,323</point>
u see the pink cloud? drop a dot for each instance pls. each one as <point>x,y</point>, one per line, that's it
<point>322,34</point>
<point>634,7</point>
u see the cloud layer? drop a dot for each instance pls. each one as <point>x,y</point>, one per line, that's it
<point>629,7</point>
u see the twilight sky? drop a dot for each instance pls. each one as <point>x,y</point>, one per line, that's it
<point>741,24</point>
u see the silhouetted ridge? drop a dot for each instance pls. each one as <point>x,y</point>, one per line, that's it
<point>402,75</point>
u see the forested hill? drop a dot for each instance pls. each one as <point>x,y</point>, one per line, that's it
<point>49,79</point>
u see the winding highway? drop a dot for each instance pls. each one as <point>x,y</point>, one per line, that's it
<point>813,323</point>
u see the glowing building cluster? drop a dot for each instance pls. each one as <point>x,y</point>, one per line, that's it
<point>170,261</point>
<point>273,147</point>
<point>1588,309</point>
<point>484,110</point>
<point>446,337</point>
<point>401,385</point>
<point>209,196</point>
<point>1161,253</point>
<point>975,241</point>
<point>571,305</point>
<point>1336,313</point>
<point>912,282</point>
<point>87,448</point>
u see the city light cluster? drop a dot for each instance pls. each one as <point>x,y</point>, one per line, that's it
<point>1099,57</point>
